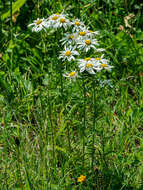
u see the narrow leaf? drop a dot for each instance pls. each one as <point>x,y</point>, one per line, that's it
<point>16,6</point>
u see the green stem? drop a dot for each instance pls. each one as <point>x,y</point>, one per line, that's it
<point>11,34</point>
<point>61,81</point>
<point>11,25</point>
<point>6,154</point>
<point>44,48</point>
<point>18,165</point>
<point>45,174</point>
<point>59,66</point>
<point>93,127</point>
<point>69,141</point>
<point>52,129</point>
<point>84,123</point>
<point>38,8</point>
<point>93,131</point>
<point>78,8</point>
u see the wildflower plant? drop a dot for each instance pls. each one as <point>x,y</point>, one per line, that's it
<point>69,119</point>
<point>78,49</point>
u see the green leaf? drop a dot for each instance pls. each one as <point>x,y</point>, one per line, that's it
<point>61,149</point>
<point>54,187</point>
<point>4,85</point>
<point>15,7</point>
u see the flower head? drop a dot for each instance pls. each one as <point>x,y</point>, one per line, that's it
<point>85,32</point>
<point>86,60</point>
<point>59,20</point>
<point>92,34</point>
<point>103,63</point>
<point>81,179</point>
<point>52,20</point>
<point>68,54</point>
<point>77,25</point>
<point>88,64</point>
<point>101,60</point>
<point>39,24</point>
<point>87,44</point>
<point>62,21</point>
<point>82,33</point>
<point>72,75</point>
<point>69,39</point>
<point>106,66</point>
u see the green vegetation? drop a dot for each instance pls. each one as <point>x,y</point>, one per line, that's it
<point>61,134</point>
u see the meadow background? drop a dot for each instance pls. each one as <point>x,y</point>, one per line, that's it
<point>47,140</point>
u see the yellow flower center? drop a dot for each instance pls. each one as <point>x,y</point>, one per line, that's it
<point>87,59</point>
<point>82,33</point>
<point>62,20</point>
<point>68,53</point>
<point>55,17</point>
<point>77,23</point>
<point>88,42</point>
<point>72,74</point>
<point>98,58</point>
<point>104,65</point>
<point>88,65</point>
<point>71,37</point>
<point>81,179</point>
<point>39,22</point>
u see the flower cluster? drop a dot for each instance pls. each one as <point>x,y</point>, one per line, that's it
<point>78,40</point>
<point>53,22</point>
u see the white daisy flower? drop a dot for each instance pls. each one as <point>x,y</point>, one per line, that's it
<point>69,39</point>
<point>100,60</point>
<point>105,66</point>
<point>39,24</point>
<point>62,22</point>
<point>86,60</point>
<point>53,19</point>
<point>68,54</point>
<point>72,75</point>
<point>92,34</point>
<point>88,64</point>
<point>84,32</point>
<point>77,25</point>
<point>89,67</point>
<point>87,44</point>
<point>103,63</point>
